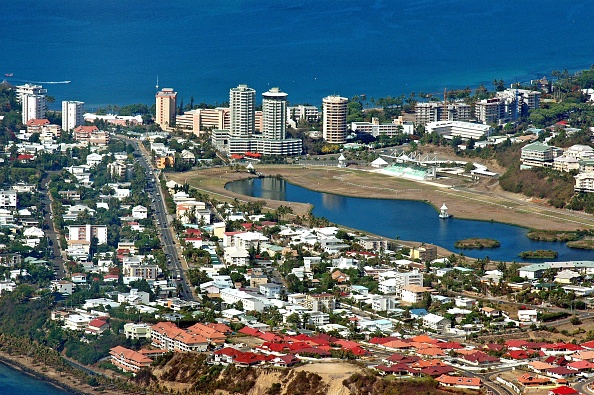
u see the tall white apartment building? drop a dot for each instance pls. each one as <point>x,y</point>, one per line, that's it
<point>335,119</point>
<point>33,107</point>
<point>29,89</point>
<point>72,114</point>
<point>274,109</point>
<point>242,103</point>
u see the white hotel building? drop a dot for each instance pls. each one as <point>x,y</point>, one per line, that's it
<point>465,130</point>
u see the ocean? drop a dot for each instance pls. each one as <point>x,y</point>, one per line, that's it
<point>15,382</point>
<point>113,50</point>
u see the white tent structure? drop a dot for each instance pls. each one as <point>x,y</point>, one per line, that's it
<point>379,162</point>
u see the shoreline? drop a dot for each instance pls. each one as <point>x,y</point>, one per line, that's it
<point>66,381</point>
<point>12,363</point>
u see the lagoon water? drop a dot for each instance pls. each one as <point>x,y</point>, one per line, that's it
<point>113,50</point>
<point>406,220</point>
<point>15,382</point>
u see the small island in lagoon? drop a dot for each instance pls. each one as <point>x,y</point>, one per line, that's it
<point>475,243</point>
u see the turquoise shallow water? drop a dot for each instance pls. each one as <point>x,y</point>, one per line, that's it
<point>113,50</point>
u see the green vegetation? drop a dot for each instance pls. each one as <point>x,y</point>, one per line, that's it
<point>552,235</point>
<point>373,385</point>
<point>538,254</point>
<point>477,243</point>
<point>586,244</point>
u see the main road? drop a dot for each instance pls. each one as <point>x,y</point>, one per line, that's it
<point>167,239</point>
<point>50,232</point>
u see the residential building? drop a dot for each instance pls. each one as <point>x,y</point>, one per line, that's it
<point>489,111</point>
<point>91,135</point>
<point>302,112</point>
<point>425,252</point>
<point>129,360</point>
<point>274,109</point>
<point>137,331</point>
<point>270,290</point>
<point>87,232</point>
<point>528,315</point>
<point>33,107</point>
<point>472,383</point>
<point>436,322</point>
<point>319,302</point>
<point>202,119</point>
<point>537,154</point>
<point>242,102</point>
<point>72,114</point>
<point>167,336</point>
<point>248,300</point>
<point>166,105</point>
<point>397,281</point>
<point>584,182</point>
<point>8,199</point>
<point>414,293</point>
<point>335,119</point>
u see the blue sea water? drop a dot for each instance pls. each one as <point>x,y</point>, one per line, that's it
<point>113,50</point>
<point>14,382</point>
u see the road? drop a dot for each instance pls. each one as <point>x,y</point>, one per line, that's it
<point>51,233</point>
<point>166,234</point>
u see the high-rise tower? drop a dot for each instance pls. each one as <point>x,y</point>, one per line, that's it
<point>165,107</point>
<point>335,119</point>
<point>72,114</point>
<point>242,103</point>
<point>274,109</point>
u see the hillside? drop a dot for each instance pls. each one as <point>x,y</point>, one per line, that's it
<point>192,374</point>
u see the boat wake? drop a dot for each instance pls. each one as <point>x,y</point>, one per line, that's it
<point>44,82</point>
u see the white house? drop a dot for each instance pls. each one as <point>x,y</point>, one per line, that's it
<point>436,322</point>
<point>139,212</point>
<point>528,316</point>
<point>413,293</point>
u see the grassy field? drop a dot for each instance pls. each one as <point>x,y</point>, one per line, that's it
<point>480,201</point>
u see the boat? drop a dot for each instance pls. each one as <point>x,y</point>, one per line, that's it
<point>443,212</point>
<point>9,75</point>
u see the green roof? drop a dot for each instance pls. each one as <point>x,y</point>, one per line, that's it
<point>537,146</point>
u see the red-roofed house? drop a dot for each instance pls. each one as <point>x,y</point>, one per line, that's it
<point>560,372</point>
<point>528,380</point>
<point>436,371</point>
<point>563,390</point>
<point>580,366</point>
<point>480,358</point>
<point>246,330</point>
<point>459,382</point>
<point>285,361</point>
<point>588,345</point>
<point>516,343</point>
<point>96,326</point>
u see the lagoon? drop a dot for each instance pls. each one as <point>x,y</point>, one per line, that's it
<point>406,220</point>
